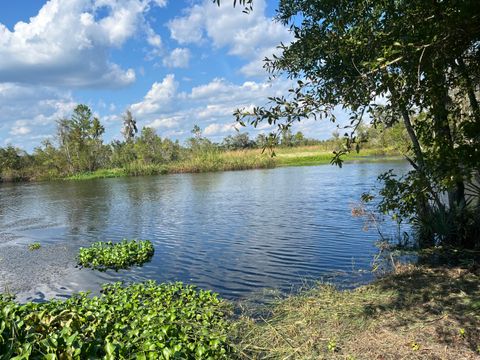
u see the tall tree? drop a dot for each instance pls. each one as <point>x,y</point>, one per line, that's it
<point>412,61</point>
<point>80,139</point>
<point>129,126</point>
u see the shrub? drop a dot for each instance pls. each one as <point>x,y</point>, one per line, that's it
<point>107,255</point>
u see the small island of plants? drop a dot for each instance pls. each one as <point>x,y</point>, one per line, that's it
<point>108,255</point>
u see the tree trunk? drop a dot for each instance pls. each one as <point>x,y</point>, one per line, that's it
<point>470,90</point>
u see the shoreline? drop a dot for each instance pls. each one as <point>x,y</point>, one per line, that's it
<point>415,312</point>
<point>225,161</point>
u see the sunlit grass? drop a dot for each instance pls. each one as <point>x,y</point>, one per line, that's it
<point>98,174</point>
<point>416,313</point>
<point>217,160</point>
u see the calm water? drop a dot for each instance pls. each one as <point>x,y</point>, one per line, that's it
<point>234,232</point>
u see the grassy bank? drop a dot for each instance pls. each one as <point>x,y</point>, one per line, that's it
<point>416,313</point>
<point>239,160</point>
<point>314,155</point>
<point>206,162</point>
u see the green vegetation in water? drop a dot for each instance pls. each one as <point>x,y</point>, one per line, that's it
<point>107,255</point>
<point>98,174</point>
<point>141,321</point>
<point>34,246</point>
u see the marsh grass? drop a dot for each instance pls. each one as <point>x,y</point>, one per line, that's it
<point>223,161</point>
<point>316,155</point>
<point>416,313</point>
<point>210,161</point>
<point>98,174</point>
<point>216,160</point>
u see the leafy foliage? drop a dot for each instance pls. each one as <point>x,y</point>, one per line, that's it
<point>80,140</point>
<point>141,321</point>
<point>414,62</point>
<point>107,255</point>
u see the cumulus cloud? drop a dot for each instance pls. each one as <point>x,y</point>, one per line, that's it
<point>210,105</point>
<point>178,58</point>
<point>218,129</point>
<point>29,113</point>
<point>69,41</point>
<point>251,36</point>
<point>164,123</point>
<point>158,99</point>
<point>19,129</point>
<point>153,38</point>
<point>173,112</point>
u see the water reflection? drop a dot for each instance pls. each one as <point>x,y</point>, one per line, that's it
<point>234,232</point>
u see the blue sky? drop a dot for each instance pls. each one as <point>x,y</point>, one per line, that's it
<point>172,63</point>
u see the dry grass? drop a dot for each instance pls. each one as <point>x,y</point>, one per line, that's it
<point>222,161</point>
<point>416,313</point>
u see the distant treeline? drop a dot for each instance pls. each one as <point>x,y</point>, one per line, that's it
<point>79,148</point>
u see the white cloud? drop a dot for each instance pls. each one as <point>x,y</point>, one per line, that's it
<point>20,130</point>
<point>167,123</point>
<point>66,44</point>
<point>153,38</point>
<point>158,98</point>
<point>252,36</point>
<point>178,58</point>
<point>188,29</point>
<point>218,129</point>
<point>29,112</point>
<point>211,106</point>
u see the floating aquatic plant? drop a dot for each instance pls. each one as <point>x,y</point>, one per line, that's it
<point>107,255</point>
<point>139,321</point>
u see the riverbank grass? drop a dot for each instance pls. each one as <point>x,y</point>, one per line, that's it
<point>315,155</point>
<point>416,313</point>
<point>107,255</point>
<point>213,161</point>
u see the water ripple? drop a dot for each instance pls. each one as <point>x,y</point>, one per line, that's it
<point>234,232</point>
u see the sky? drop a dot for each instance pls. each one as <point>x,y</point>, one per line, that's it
<point>173,63</point>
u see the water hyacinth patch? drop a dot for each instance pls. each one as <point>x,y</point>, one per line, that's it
<point>142,321</point>
<point>107,255</point>
<point>34,246</point>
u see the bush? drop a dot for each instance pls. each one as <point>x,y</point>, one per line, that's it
<point>107,255</point>
<point>142,321</point>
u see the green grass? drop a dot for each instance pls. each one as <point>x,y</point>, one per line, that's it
<point>314,155</point>
<point>223,161</point>
<point>207,162</point>
<point>416,313</point>
<point>139,321</point>
<point>98,174</point>
<point>214,161</point>
<point>107,255</point>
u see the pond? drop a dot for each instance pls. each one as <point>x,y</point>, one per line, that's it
<point>237,233</point>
